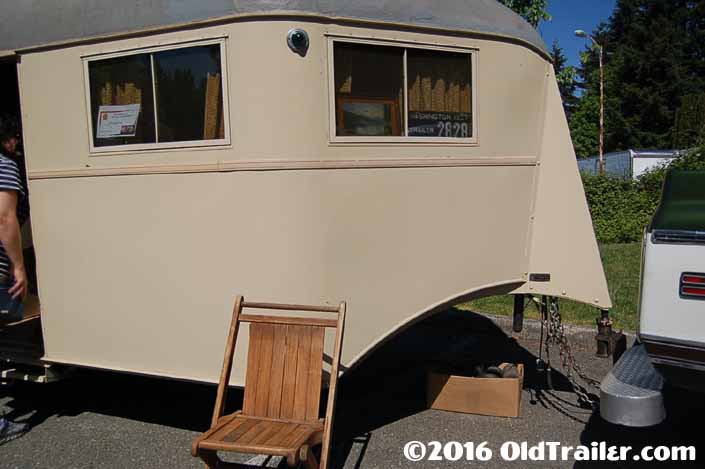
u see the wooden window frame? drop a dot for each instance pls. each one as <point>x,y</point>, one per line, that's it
<point>335,139</point>
<point>142,147</point>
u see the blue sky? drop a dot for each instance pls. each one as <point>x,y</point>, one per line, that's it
<point>569,15</point>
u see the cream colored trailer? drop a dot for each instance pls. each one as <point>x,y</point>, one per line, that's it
<point>143,241</point>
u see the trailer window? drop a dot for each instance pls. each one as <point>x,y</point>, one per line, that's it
<point>122,86</point>
<point>158,97</point>
<point>369,85</point>
<point>388,91</point>
<point>439,94</point>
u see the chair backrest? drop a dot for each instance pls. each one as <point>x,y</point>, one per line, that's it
<point>284,362</point>
<point>284,367</point>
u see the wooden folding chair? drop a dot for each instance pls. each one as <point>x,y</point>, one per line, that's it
<point>280,414</point>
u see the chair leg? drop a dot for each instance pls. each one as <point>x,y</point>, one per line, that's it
<point>210,458</point>
<point>310,461</point>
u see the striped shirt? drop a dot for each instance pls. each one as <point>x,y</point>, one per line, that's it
<point>11,180</point>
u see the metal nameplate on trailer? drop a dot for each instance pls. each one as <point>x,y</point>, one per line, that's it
<point>540,277</point>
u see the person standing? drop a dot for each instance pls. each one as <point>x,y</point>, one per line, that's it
<point>13,211</point>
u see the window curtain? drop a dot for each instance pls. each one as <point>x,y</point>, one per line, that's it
<point>438,81</point>
<point>125,93</point>
<point>213,121</point>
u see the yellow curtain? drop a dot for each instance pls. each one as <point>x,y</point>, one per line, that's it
<point>438,82</point>
<point>126,93</point>
<point>213,121</point>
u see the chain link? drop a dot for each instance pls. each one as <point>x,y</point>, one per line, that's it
<point>555,336</point>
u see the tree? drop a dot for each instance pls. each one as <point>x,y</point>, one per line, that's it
<point>566,75</point>
<point>533,11</point>
<point>689,127</point>
<point>654,57</point>
<point>585,126</point>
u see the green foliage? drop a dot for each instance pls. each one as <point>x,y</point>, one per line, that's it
<point>566,76</point>
<point>652,181</point>
<point>585,126</point>
<point>654,57</point>
<point>689,128</point>
<point>622,208</point>
<point>533,11</point>
<point>622,263</point>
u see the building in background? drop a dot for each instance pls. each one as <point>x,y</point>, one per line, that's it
<point>629,163</point>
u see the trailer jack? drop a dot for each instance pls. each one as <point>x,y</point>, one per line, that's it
<point>518,318</point>
<point>608,342</point>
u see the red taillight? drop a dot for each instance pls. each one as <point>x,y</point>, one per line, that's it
<point>692,285</point>
<point>694,291</point>
<point>694,279</point>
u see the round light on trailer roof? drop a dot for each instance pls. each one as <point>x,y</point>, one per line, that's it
<point>297,39</point>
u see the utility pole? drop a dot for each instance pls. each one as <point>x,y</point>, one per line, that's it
<point>602,111</point>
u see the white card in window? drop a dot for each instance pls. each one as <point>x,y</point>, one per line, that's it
<point>117,121</point>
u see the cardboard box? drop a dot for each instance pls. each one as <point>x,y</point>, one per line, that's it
<point>499,397</point>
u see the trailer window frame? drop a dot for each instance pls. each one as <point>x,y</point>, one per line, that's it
<point>335,139</point>
<point>225,142</point>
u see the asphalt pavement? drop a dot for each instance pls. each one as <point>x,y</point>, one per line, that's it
<point>110,420</point>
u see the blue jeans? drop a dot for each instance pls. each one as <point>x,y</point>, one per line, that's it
<point>11,309</point>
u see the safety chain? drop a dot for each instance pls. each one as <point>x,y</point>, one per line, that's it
<point>552,323</point>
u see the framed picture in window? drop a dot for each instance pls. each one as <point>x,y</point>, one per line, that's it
<point>367,116</point>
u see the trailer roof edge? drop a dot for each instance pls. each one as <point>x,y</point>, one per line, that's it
<point>508,26</point>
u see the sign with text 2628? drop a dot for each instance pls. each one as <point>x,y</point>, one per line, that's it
<point>440,124</point>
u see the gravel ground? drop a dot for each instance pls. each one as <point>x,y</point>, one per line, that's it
<point>100,419</point>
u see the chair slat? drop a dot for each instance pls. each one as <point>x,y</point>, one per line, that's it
<point>302,374</point>
<point>227,429</point>
<point>240,430</point>
<point>315,371</point>
<point>288,320</point>
<point>252,374</point>
<point>294,435</point>
<point>277,373</point>
<point>320,309</point>
<point>273,429</point>
<point>293,333</point>
<point>251,435</point>
<point>265,368</point>
<point>275,439</point>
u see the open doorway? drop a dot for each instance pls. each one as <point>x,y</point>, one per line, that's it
<point>20,336</point>
<point>10,102</point>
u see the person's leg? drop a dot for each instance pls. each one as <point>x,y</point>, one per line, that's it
<point>8,430</point>
<point>11,309</point>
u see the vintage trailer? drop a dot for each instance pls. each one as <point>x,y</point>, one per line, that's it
<point>402,156</point>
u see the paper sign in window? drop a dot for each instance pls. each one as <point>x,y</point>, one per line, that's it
<point>117,121</point>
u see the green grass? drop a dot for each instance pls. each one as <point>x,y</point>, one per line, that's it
<point>622,265</point>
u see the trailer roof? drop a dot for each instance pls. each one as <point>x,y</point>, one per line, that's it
<point>682,206</point>
<point>32,24</point>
